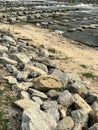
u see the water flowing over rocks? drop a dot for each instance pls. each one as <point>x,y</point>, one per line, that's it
<point>49,101</point>
<point>76,19</point>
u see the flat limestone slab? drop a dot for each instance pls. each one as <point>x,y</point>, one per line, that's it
<point>25,104</point>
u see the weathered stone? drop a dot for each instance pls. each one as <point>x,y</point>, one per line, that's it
<point>6,60</point>
<point>65,124</point>
<point>9,40</point>
<point>24,85</point>
<point>11,69</point>
<point>43,52</point>
<point>61,75</point>
<point>54,113</point>
<point>72,77</point>
<point>63,112</point>
<point>25,104</point>
<point>45,83</point>
<point>22,75</point>
<point>81,103</point>
<point>21,57</point>
<point>3,49</point>
<point>35,119</point>
<point>93,118</point>
<point>36,69</point>
<point>37,100</point>
<point>37,93</point>
<point>53,94</point>
<point>25,95</point>
<point>94,127</point>
<point>10,79</point>
<point>65,98</point>
<point>91,97</point>
<point>41,66</point>
<point>77,126</point>
<point>95,106</point>
<point>77,87</point>
<point>80,116</point>
<point>49,104</point>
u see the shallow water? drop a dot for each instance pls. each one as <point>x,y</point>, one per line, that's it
<point>78,21</point>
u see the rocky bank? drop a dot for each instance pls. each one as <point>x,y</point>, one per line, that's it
<point>48,98</point>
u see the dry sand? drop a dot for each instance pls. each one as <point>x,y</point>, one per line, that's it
<point>71,54</point>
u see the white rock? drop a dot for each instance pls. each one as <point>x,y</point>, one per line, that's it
<point>10,79</point>
<point>35,119</point>
<point>6,60</point>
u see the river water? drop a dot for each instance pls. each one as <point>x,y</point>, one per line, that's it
<point>81,23</point>
<point>78,21</point>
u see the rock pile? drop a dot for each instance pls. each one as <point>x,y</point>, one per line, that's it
<point>50,99</point>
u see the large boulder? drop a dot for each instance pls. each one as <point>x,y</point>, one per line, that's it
<point>47,82</point>
<point>35,119</point>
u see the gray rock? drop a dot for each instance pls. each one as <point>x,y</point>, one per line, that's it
<point>37,100</point>
<point>81,103</point>
<point>72,77</point>
<point>65,124</point>
<point>63,112</point>
<point>32,68</point>
<point>41,66</point>
<point>54,113</point>
<point>49,104</point>
<point>61,75</point>
<point>95,106</point>
<point>65,98</point>
<point>77,126</point>
<point>11,79</point>
<point>3,49</point>
<point>94,127</point>
<point>9,40</point>
<point>35,119</point>
<point>11,68</point>
<point>77,87</point>
<point>53,94</point>
<point>37,93</point>
<point>22,75</point>
<point>80,116</point>
<point>25,95</point>
<point>20,57</point>
<point>91,97</point>
<point>43,52</point>
<point>6,60</point>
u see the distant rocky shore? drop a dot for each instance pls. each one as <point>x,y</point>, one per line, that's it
<point>49,98</point>
<point>76,20</point>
